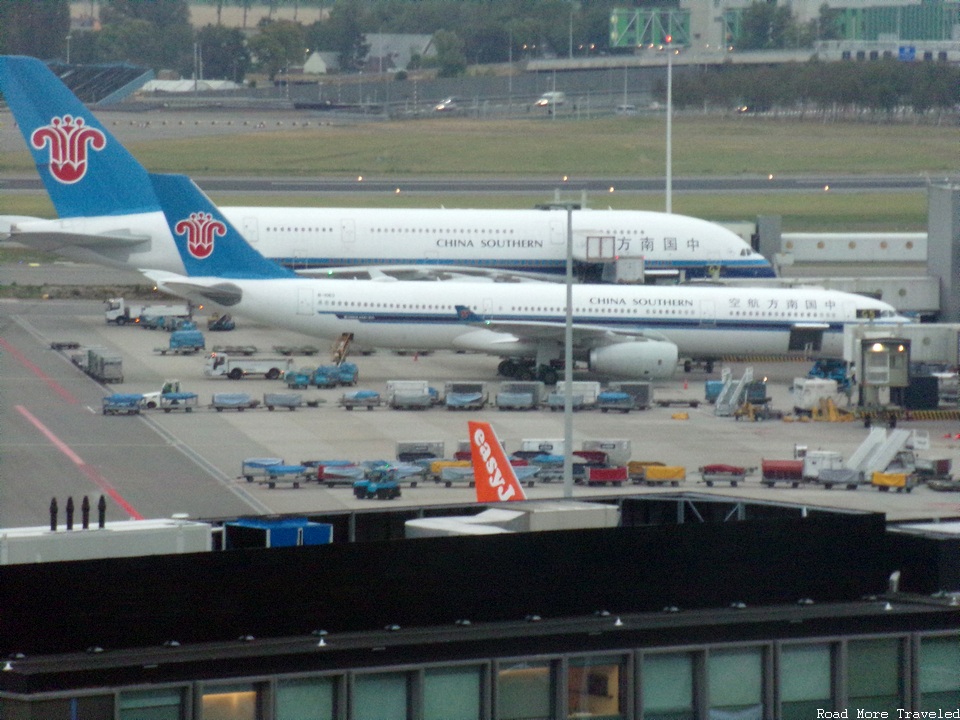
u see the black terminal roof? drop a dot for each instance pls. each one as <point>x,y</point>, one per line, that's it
<point>102,84</point>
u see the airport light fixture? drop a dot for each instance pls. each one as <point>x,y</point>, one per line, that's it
<point>669,189</point>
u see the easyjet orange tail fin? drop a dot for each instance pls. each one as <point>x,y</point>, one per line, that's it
<point>493,474</point>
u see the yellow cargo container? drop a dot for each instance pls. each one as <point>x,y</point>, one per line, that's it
<point>635,468</point>
<point>898,481</point>
<point>662,474</point>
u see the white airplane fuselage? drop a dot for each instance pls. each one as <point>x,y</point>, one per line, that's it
<point>529,241</point>
<point>703,322</point>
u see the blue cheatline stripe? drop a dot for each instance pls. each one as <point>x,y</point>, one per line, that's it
<point>614,324</point>
<point>693,269</point>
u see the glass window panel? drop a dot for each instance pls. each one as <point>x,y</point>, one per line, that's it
<point>939,673</point>
<point>97,707</point>
<point>152,704</point>
<point>873,679</point>
<point>235,702</point>
<point>382,696</point>
<point>451,693</point>
<point>593,688</point>
<point>305,699</point>
<point>524,691</point>
<point>668,687</point>
<point>735,682</point>
<point>805,681</point>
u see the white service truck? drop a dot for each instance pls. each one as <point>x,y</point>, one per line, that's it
<point>236,368</point>
<point>120,312</point>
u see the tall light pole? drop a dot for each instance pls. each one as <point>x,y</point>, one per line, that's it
<point>669,40</point>
<point>69,38</point>
<point>568,366</point>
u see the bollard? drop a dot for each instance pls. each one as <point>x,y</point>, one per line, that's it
<point>102,511</point>
<point>85,512</point>
<point>53,515</point>
<point>70,513</point>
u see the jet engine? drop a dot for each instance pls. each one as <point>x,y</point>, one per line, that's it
<point>641,360</point>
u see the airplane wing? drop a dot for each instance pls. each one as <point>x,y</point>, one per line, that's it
<point>427,273</point>
<point>9,221</point>
<point>222,292</point>
<point>584,336</point>
<point>59,239</point>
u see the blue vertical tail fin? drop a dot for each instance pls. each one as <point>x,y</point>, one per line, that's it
<point>85,170</point>
<point>208,244</point>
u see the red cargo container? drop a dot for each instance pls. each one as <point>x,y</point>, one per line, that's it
<point>615,476</point>
<point>773,471</point>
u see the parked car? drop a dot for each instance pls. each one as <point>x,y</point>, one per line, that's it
<point>552,98</point>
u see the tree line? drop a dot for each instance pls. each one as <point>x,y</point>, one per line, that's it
<point>475,32</point>
<point>830,89</point>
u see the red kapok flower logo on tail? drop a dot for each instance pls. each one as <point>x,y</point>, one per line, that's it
<point>200,229</point>
<point>68,139</point>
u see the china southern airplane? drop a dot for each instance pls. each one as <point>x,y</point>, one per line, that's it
<point>625,331</point>
<point>83,168</point>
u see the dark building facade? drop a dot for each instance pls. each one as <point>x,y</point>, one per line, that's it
<point>762,618</point>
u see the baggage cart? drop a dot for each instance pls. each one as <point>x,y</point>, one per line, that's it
<point>296,349</point>
<point>415,451</point>
<point>615,400</point>
<point>664,475</point>
<point>368,399</point>
<point>606,476</point>
<point>787,471</point>
<point>233,401</point>
<point>238,350</point>
<point>899,481</point>
<point>411,400</point>
<point>636,468</point>
<point>291,401</point>
<point>326,376</point>
<point>719,472</point>
<point>465,395</point>
<point>515,401</point>
<point>640,391</point>
<point>252,468</point>
<point>465,400</point>
<point>617,451</point>
<point>299,378</point>
<point>336,472</point>
<point>558,401</point>
<point>122,404</point>
<point>348,374</point>
<point>520,395</point>
<point>850,479</point>
<point>182,401</point>
<point>292,474</point>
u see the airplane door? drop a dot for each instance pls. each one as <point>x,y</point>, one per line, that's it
<point>348,232</point>
<point>487,309</point>
<point>305,301</point>
<point>708,313</point>
<point>806,338</point>
<point>558,232</point>
<point>250,230</point>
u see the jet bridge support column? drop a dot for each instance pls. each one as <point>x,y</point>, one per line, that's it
<point>943,247</point>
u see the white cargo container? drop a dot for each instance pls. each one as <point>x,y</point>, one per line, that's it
<point>816,460</point>
<point>544,446</point>
<point>618,451</point>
